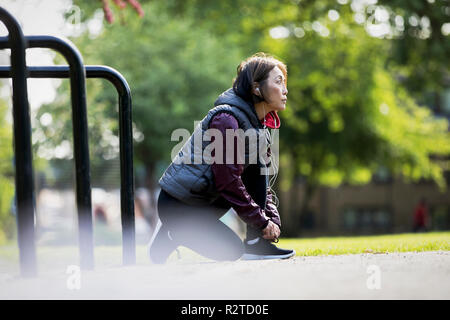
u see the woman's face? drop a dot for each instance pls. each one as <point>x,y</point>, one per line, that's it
<point>275,90</point>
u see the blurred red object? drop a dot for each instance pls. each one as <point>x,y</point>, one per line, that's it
<point>420,216</point>
<point>109,16</point>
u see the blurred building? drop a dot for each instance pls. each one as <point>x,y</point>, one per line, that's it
<point>376,208</point>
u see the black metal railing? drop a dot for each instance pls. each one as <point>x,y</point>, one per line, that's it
<point>77,73</point>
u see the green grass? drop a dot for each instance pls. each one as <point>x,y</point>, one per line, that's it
<point>59,257</point>
<point>408,242</point>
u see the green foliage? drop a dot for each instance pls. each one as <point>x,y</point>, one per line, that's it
<point>420,50</point>
<point>347,114</point>
<point>175,69</point>
<point>6,176</point>
<point>52,130</point>
<point>329,112</point>
<point>412,134</point>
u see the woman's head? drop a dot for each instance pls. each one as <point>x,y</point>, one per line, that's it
<point>262,78</point>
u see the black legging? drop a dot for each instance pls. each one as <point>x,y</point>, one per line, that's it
<point>199,228</point>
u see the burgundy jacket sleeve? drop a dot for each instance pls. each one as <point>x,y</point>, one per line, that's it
<point>228,178</point>
<point>271,210</point>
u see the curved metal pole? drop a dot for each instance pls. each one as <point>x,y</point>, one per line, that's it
<point>126,142</point>
<point>22,147</point>
<point>126,158</point>
<point>80,138</point>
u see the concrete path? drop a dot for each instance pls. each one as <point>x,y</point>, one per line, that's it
<point>423,275</point>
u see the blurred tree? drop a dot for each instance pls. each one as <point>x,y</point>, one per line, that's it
<point>420,41</point>
<point>347,115</point>
<point>417,30</point>
<point>175,70</point>
<point>6,175</point>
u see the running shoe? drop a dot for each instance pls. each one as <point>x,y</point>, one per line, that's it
<point>262,249</point>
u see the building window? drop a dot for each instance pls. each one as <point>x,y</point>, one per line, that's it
<point>366,219</point>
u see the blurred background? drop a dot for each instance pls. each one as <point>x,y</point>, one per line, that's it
<point>364,140</point>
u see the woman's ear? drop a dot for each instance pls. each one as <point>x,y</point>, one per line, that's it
<point>257,94</point>
<point>256,90</point>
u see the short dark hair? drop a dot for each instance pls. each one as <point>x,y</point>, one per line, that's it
<point>255,69</point>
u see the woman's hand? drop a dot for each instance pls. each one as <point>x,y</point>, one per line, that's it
<point>271,232</point>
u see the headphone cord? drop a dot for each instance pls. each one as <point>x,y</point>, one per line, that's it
<point>272,162</point>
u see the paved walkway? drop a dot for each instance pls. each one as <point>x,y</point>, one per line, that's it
<point>424,275</point>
